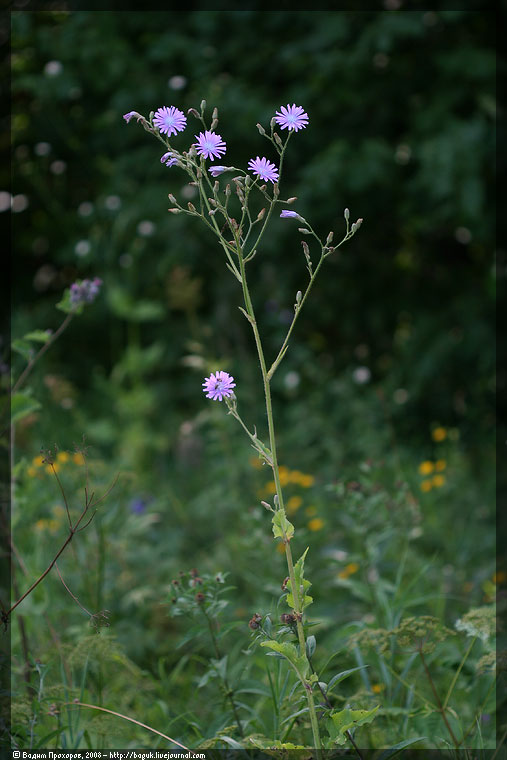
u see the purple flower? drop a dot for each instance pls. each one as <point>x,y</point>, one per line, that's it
<point>130,115</point>
<point>169,120</point>
<point>210,145</point>
<point>137,506</point>
<point>216,170</point>
<point>293,117</point>
<point>264,169</point>
<point>168,159</point>
<point>218,385</point>
<point>85,291</point>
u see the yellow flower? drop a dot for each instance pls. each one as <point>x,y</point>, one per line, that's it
<point>284,475</point>
<point>78,458</point>
<point>425,468</point>
<point>40,525</point>
<point>255,462</point>
<point>426,486</point>
<point>62,457</point>
<point>349,569</point>
<point>438,480</point>
<point>306,481</point>
<point>280,547</point>
<point>293,504</point>
<point>377,688</point>
<point>295,476</point>
<point>270,487</point>
<point>440,465</point>
<point>38,461</point>
<point>310,511</point>
<point>58,511</point>
<point>52,467</point>
<point>316,524</point>
<point>31,472</point>
<point>53,525</point>
<point>439,434</point>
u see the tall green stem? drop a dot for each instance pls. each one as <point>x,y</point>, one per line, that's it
<point>276,477</point>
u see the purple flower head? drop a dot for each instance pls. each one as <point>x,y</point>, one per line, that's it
<point>293,117</point>
<point>218,385</point>
<point>216,170</point>
<point>264,169</point>
<point>210,145</point>
<point>137,506</point>
<point>286,214</point>
<point>168,159</point>
<point>169,120</point>
<point>130,115</point>
<point>85,291</point>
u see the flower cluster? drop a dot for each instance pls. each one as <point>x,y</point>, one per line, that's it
<point>169,120</point>
<point>85,291</point>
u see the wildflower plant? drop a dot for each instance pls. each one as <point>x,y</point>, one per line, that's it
<point>240,232</point>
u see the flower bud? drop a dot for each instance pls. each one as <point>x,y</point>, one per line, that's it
<point>248,180</point>
<point>284,583</point>
<point>272,122</point>
<point>304,231</point>
<point>275,499</point>
<point>174,210</point>
<point>214,115</point>
<point>253,624</point>
<point>199,597</point>
<point>329,238</point>
<point>287,618</point>
<point>359,223</point>
<point>278,139</point>
<point>193,112</point>
<point>227,190</point>
<point>216,187</point>
<point>214,124</point>
<point>299,296</point>
<point>261,129</point>
<point>213,202</point>
<point>267,506</point>
<point>172,198</point>
<point>276,190</point>
<point>291,200</point>
<point>261,214</point>
<point>191,207</point>
<point>346,214</point>
<point>203,105</point>
<point>305,249</point>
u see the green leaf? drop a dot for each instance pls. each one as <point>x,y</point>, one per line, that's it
<point>290,652</point>
<point>340,722</point>
<point>23,347</point>
<point>392,751</point>
<point>282,528</point>
<point>39,336</point>
<point>343,675</point>
<point>301,584</point>
<point>22,405</point>
<point>66,305</point>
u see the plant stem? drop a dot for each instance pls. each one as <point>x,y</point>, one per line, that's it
<point>453,683</point>
<point>42,351</point>
<point>276,477</point>
<point>441,709</point>
<point>229,690</point>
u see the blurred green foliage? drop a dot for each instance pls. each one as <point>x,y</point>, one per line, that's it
<point>397,339</point>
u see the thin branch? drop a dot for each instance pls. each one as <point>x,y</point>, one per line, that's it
<point>21,379</point>
<point>70,592</point>
<point>131,720</point>
<point>441,710</point>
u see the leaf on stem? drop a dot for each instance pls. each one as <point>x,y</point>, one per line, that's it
<point>302,586</point>
<point>282,528</point>
<point>345,720</point>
